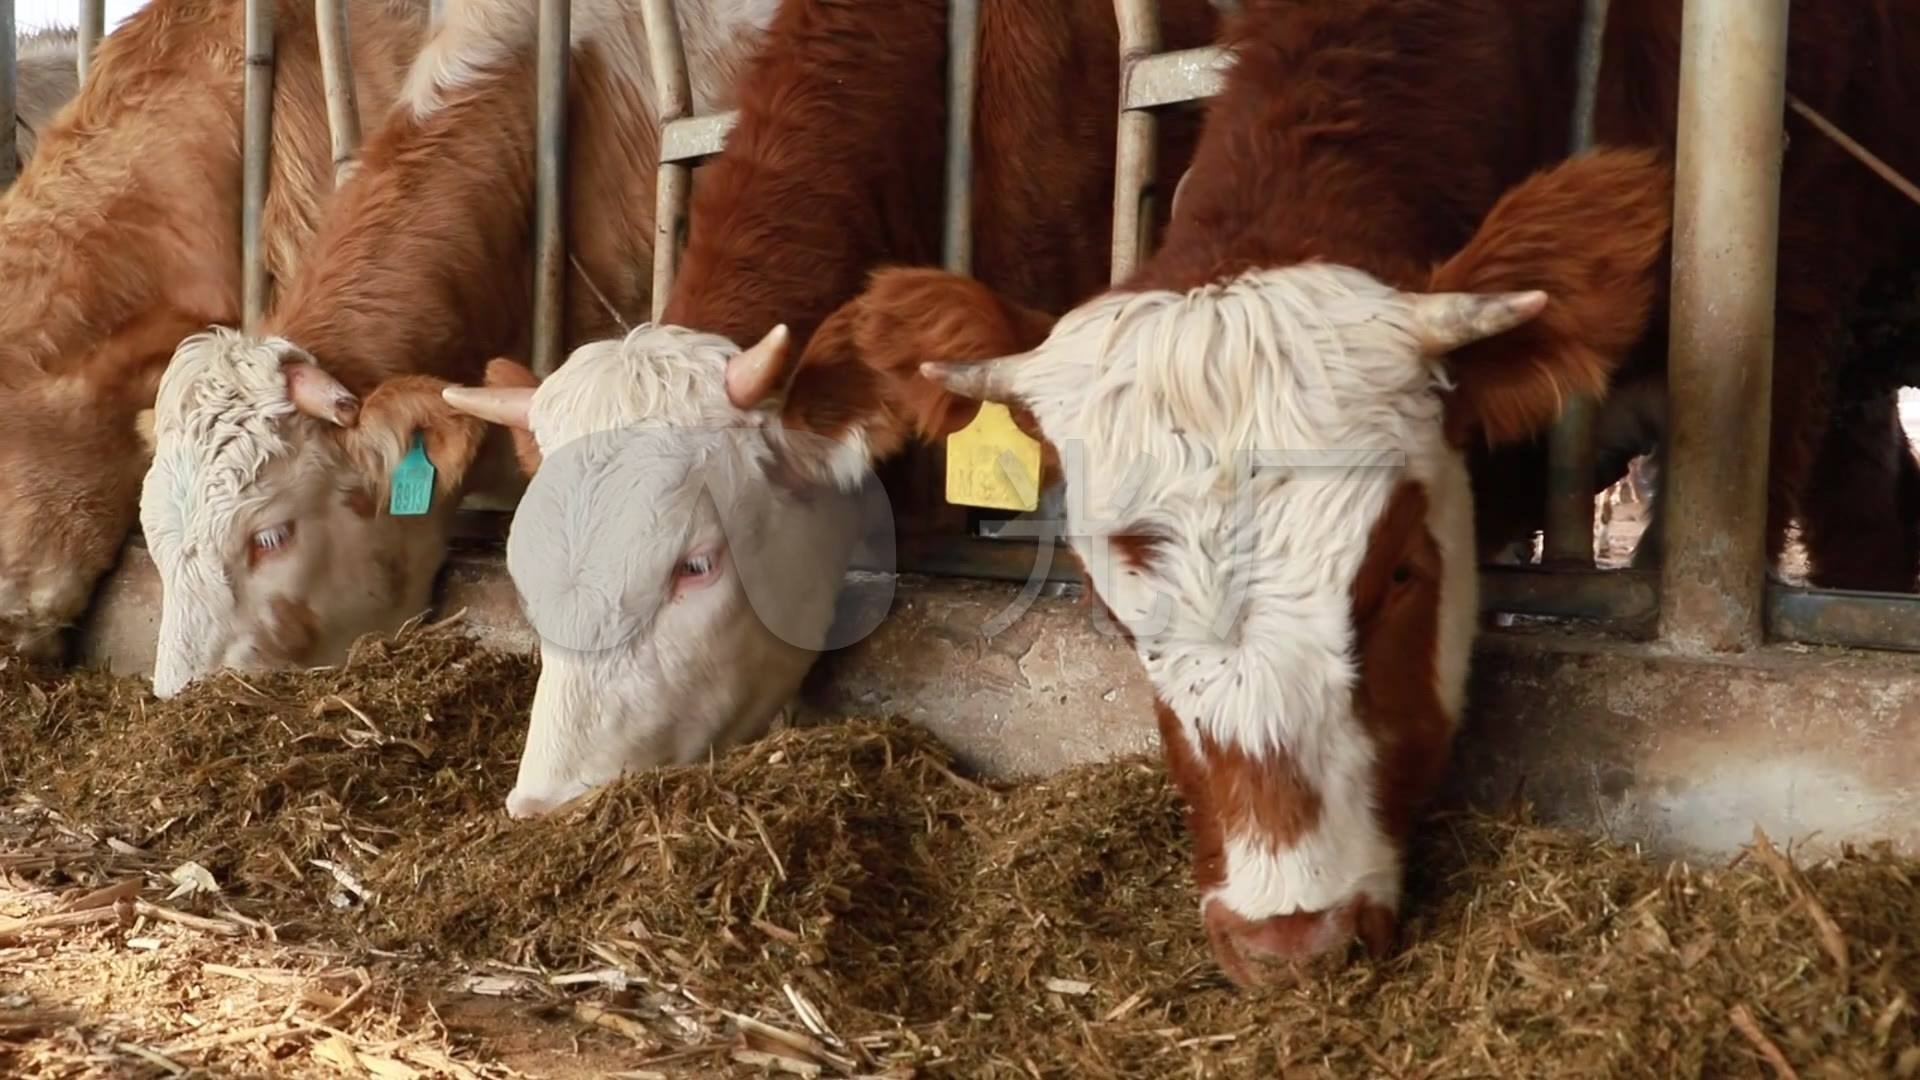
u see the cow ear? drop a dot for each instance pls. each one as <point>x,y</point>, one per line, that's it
<point>388,421</point>
<point>1590,234</point>
<point>858,390</point>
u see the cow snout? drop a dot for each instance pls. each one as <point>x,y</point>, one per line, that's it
<point>1281,949</point>
<point>44,646</point>
<point>522,805</point>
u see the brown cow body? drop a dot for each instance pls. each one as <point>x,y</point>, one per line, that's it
<point>1847,477</point>
<point>117,240</point>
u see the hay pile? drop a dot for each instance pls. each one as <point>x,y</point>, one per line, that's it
<point>838,900</point>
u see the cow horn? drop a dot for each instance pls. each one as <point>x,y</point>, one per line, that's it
<point>1443,322</point>
<point>507,406</point>
<point>985,380</point>
<point>754,375</point>
<point>320,395</point>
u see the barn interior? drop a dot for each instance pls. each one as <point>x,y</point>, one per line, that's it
<point>1677,838</point>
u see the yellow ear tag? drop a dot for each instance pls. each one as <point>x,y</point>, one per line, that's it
<point>992,463</point>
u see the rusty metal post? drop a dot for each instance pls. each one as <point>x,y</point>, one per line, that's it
<point>1134,145</point>
<point>550,186</point>
<point>673,182</point>
<point>9,96</point>
<point>1568,536</point>
<point>256,144</point>
<point>336,72</point>
<point>1720,368</point>
<point>963,54</point>
<point>93,27</point>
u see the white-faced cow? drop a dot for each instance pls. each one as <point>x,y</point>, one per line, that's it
<point>1263,431</point>
<point>267,506</point>
<point>832,171</point>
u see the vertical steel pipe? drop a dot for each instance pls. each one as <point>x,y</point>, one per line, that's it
<point>1135,138</point>
<point>9,96</point>
<point>256,144</point>
<point>93,27</point>
<point>1568,539</point>
<point>550,186</point>
<point>336,72</point>
<point>963,52</point>
<point>1720,369</point>
<point>673,181</point>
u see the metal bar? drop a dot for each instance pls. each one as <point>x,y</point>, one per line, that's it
<point>1133,153</point>
<point>963,49</point>
<point>1568,539</point>
<point>1617,597</point>
<point>673,179</point>
<point>257,149</point>
<point>433,12</point>
<point>93,27</point>
<point>9,96</point>
<point>1170,78</point>
<point>550,186</point>
<point>1859,620</point>
<point>336,72</point>
<point>1720,366</point>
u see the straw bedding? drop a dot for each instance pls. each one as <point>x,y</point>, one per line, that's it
<point>841,900</point>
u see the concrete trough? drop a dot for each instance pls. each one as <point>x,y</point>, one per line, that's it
<point>1820,747</point>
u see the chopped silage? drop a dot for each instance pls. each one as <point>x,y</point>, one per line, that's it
<point>842,898</point>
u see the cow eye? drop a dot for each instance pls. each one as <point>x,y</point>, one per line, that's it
<point>697,566</point>
<point>271,539</point>
<point>1402,574</point>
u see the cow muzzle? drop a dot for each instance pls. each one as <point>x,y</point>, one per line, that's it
<point>1282,949</point>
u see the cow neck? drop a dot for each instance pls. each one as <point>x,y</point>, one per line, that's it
<point>1372,141</point>
<point>825,175</point>
<point>420,267</point>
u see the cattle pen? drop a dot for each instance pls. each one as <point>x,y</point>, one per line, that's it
<point>1691,710</point>
<point>1648,704</point>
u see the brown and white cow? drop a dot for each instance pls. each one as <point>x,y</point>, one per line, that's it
<point>119,239</point>
<point>1263,431</point>
<point>267,504</point>
<point>833,170</point>
<point>47,76</point>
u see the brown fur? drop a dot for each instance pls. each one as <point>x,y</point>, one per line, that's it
<point>836,165</point>
<point>1853,63</point>
<point>292,630</point>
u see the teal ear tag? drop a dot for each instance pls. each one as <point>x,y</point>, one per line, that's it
<point>412,483</point>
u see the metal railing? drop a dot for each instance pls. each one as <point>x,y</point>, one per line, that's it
<point>1712,593</point>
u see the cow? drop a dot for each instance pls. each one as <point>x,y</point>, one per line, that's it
<point>47,75</point>
<point>119,239</point>
<point>1838,465</point>
<point>833,170</point>
<point>267,507</point>
<point>1381,258</point>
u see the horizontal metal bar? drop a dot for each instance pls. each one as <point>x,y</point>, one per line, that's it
<point>1859,620</point>
<point>1624,598</point>
<point>696,137</point>
<point>994,560</point>
<point>1173,77</point>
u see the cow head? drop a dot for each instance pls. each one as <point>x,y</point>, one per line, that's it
<point>266,507</point>
<point>679,568</point>
<point>1268,489</point>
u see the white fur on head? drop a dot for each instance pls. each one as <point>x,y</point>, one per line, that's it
<point>1259,429</point>
<point>645,464</point>
<point>218,421</point>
